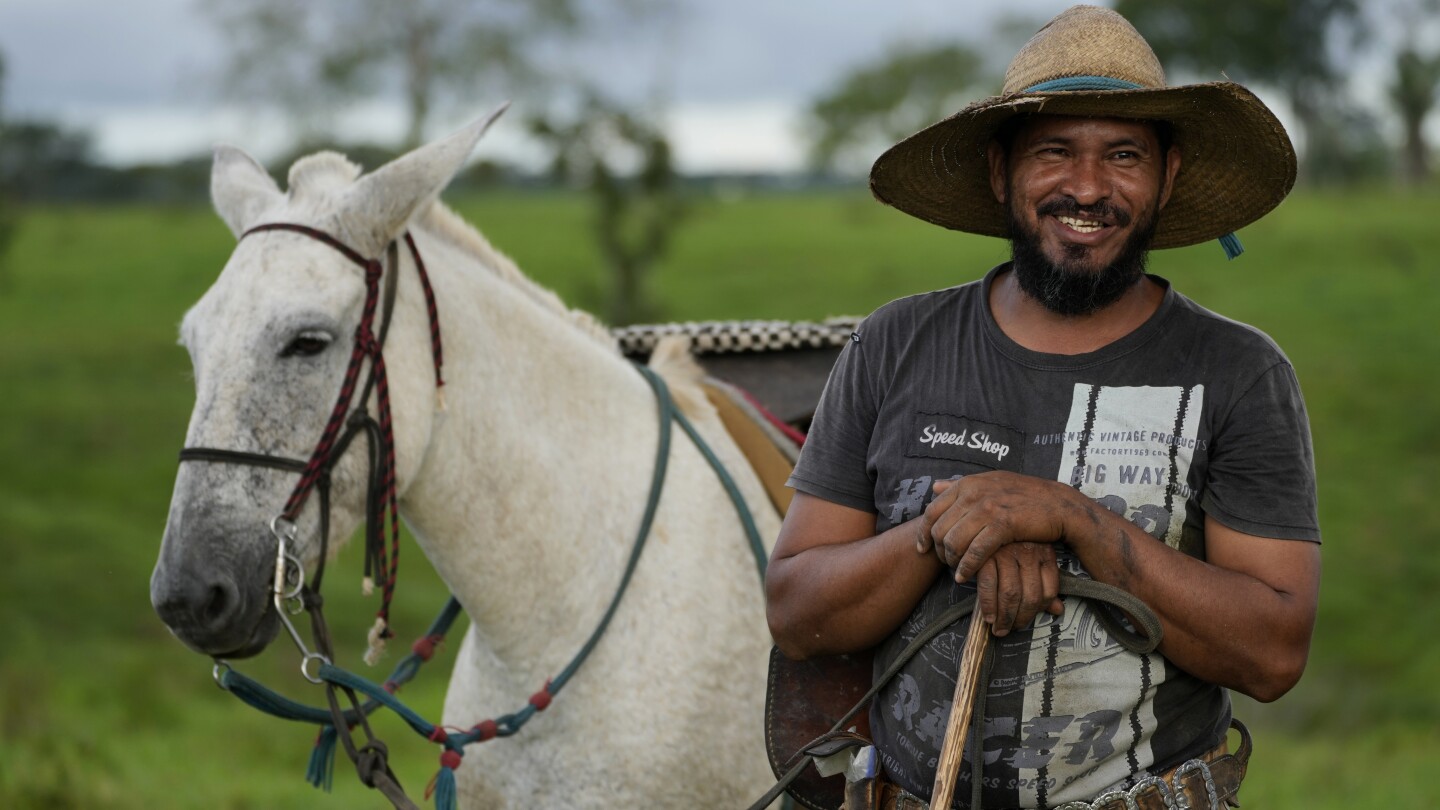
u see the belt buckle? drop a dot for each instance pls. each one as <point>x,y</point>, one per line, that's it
<point>1128,799</point>
<point>1182,801</point>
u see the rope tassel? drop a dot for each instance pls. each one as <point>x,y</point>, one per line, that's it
<point>1230,243</point>
<point>321,772</point>
<point>443,785</point>
<point>375,647</point>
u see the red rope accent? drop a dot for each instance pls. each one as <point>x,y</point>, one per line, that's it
<point>541,700</point>
<point>439,735</point>
<point>450,758</point>
<point>389,564</point>
<point>425,646</point>
<point>487,729</point>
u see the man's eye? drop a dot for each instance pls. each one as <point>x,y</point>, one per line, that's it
<point>306,345</point>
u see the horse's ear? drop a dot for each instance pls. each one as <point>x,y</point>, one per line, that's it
<point>240,188</point>
<point>380,204</point>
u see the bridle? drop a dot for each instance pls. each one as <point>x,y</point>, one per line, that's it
<point>341,429</point>
<point>289,591</point>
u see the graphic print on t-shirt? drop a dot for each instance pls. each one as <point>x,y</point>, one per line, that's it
<point>1130,449</point>
<point>962,438</point>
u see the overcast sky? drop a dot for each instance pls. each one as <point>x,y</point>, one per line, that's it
<point>139,74</point>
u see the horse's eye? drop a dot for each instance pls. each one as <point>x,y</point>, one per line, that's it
<point>306,344</point>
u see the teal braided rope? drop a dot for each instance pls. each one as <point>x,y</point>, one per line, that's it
<point>757,547</point>
<point>262,697</point>
<point>267,700</point>
<point>667,412</point>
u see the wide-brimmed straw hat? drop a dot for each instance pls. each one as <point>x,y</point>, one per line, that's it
<point>1236,162</point>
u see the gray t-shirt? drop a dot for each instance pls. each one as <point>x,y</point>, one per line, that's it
<point>1191,414</point>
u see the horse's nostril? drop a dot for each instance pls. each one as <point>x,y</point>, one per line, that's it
<point>217,603</point>
<point>198,607</point>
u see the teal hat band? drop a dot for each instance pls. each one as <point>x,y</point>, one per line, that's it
<point>1230,243</point>
<point>1081,83</point>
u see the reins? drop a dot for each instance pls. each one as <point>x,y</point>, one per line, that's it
<point>291,593</point>
<point>1105,598</point>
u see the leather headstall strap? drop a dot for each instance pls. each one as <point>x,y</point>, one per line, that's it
<point>785,745</point>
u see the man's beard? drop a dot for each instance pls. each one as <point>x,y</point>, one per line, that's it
<point>1070,286</point>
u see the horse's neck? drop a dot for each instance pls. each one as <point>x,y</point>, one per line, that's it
<point>536,476</point>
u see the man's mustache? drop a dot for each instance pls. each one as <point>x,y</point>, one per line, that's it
<point>1068,207</point>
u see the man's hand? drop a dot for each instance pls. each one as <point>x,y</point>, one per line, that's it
<point>999,525</point>
<point>1016,583</point>
<point>970,519</point>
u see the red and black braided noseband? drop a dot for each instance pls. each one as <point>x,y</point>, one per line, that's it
<point>366,345</point>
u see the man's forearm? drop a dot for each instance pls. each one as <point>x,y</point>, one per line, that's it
<point>846,596</point>
<point>1228,627</point>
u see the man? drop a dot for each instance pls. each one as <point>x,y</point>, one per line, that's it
<point>1067,413</point>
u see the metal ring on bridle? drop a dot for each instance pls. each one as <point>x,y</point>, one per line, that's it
<point>218,672</point>
<point>304,663</point>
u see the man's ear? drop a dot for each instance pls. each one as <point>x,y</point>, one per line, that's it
<point>1172,168</point>
<point>998,170</point>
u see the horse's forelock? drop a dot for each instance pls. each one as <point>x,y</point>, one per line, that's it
<point>321,173</point>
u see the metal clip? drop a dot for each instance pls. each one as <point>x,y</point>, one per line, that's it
<point>289,582</point>
<point>289,573</point>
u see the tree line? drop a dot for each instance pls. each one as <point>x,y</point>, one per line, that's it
<point>313,60</point>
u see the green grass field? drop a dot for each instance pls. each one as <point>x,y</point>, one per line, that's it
<point>99,707</point>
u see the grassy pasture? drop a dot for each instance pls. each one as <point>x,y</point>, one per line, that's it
<point>99,707</point>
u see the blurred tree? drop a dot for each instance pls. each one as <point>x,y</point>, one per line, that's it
<point>625,163</point>
<point>1416,86</point>
<point>1414,92</point>
<point>7,205</point>
<point>39,160</point>
<point>312,58</point>
<point>1296,46</point>
<point>881,102</point>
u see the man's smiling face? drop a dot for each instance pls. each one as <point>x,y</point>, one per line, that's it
<point>1083,195</point>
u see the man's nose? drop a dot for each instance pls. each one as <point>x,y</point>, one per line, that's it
<point>1086,182</point>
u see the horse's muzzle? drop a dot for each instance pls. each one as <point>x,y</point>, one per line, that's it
<point>212,613</point>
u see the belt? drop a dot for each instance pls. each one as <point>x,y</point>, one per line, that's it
<point>1208,781</point>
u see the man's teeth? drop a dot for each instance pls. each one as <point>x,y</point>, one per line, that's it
<point>1081,225</point>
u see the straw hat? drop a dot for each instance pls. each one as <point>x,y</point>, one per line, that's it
<point>1236,160</point>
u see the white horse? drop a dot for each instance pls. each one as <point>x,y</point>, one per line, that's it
<point>524,493</point>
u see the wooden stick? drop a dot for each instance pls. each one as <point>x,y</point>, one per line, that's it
<point>953,749</point>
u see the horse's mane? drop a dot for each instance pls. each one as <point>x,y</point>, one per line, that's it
<point>440,221</point>
<point>671,358</point>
